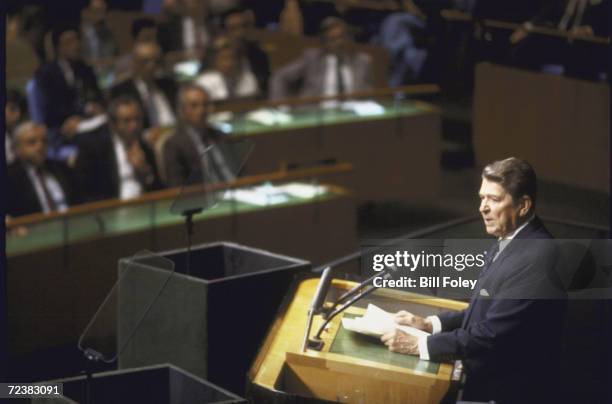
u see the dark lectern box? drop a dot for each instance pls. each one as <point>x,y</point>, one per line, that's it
<point>161,384</point>
<point>211,322</point>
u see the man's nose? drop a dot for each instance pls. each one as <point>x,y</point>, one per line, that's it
<point>483,206</point>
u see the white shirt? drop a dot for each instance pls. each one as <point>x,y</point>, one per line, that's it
<point>330,83</point>
<point>67,71</point>
<point>129,186</point>
<point>193,33</point>
<point>436,324</point>
<point>55,190</point>
<point>165,115</point>
<point>215,85</point>
<point>8,148</point>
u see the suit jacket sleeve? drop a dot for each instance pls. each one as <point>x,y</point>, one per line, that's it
<point>516,311</point>
<point>85,169</point>
<point>451,320</point>
<point>155,182</point>
<point>286,78</point>
<point>176,172</point>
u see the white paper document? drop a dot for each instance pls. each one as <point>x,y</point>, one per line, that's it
<point>376,322</point>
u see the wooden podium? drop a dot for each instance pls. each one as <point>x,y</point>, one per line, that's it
<point>351,367</point>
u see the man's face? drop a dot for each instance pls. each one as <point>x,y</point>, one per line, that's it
<point>236,25</point>
<point>97,9</point>
<point>226,61</point>
<point>146,60</point>
<point>69,45</point>
<point>128,122</point>
<point>337,39</point>
<point>147,35</point>
<point>12,114</point>
<point>31,146</point>
<point>501,214</point>
<point>195,108</point>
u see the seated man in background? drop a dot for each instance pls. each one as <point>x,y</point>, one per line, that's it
<point>154,94</point>
<point>36,184</point>
<point>144,30</point>
<point>98,40</point>
<point>238,22</point>
<point>229,77</point>
<point>115,162</point>
<point>68,86</point>
<point>13,113</point>
<point>335,69</point>
<point>182,28</point>
<point>186,151</point>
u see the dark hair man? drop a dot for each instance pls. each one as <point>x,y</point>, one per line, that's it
<point>115,162</point>
<point>508,335</point>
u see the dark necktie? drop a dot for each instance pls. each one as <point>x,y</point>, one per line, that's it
<point>339,76</point>
<point>151,107</point>
<point>47,195</point>
<point>490,257</point>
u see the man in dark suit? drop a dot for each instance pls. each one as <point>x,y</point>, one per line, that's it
<point>335,69</point>
<point>509,336</point>
<point>115,162</point>
<point>68,86</point>
<point>36,184</point>
<point>237,23</point>
<point>192,154</point>
<point>154,94</point>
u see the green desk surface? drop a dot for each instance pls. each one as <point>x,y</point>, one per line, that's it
<point>128,219</point>
<point>239,125</point>
<point>370,348</point>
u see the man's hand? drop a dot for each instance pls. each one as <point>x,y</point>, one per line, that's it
<point>400,342</point>
<point>581,31</point>
<point>70,126</point>
<point>153,134</point>
<point>406,318</point>
<point>137,159</point>
<point>93,108</point>
<point>520,33</point>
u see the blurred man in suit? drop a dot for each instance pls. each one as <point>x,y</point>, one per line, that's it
<point>238,23</point>
<point>115,162</point>
<point>36,184</point>
<point>68,86</point>
<point>509,336</point>
<point>154,94</point>
<point>191,154</point>
<point>335,69</point>
<point>143,30</point>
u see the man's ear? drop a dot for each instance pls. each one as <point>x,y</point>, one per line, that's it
<point>525,204</point>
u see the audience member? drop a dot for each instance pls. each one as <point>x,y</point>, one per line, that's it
<point>335,69</point>
<point>155,94</point>
<point>229,76</point>
<point>238,24</point>
<point>68,85</point>
<point>13,113</point>
<point>182,27</point>
<point>115,162</point>
<point>37,184</point>
<point>21,59</point>
<point>188,155</point>
<point>144,30</point>
<point>98,40</point>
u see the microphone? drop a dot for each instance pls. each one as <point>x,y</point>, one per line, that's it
<point>386,274</point>
<point>355,294</point>
<point>318,300</point>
